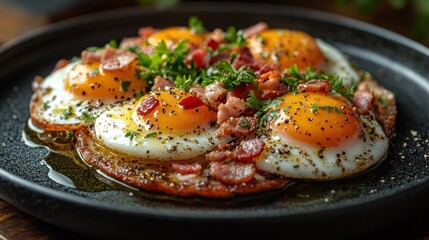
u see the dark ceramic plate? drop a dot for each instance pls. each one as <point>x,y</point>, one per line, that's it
<point>378,201</point>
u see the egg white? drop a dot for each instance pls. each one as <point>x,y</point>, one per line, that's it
<point>60,107</point>
<point>290,158</point>
<point>337,63</point>
<point>112,126</point>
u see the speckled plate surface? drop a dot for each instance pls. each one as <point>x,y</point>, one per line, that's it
<point>377,201</point>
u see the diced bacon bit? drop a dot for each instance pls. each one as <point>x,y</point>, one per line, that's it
<point>36,83</point>
<point>268,67</point>
<point>246,151</point>
<point>211,95</point>
<point>233,107</point>
<point>212,44</point>
<point>255,29</point>
<point>92,56</point>
<point>232,173</point>
<point>130,42</point>
<point>187,167</point>
<point>190,102</point>
<point>363,101</point>
<point>270,85</point>
<point>237,127</point>
<point>243,91</point>
<point>245,58</point>
<point>199,57</point>
<point>161,83</point>
<point>61,63</point>
<point>315,85</point>
<point>147,105</point>
<point>217,58</point>
<point>116,59</point>
<point>217,36</point>
<point>145,32</point>
<point>383,103</point>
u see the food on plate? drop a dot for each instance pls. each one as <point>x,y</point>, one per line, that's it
<point>192,112</point>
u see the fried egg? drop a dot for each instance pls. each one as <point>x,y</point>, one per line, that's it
<point>318,136</point>
<point>160,126</point>
<point>290,47</point>
<point>77,93</point>
<point>173,35</point>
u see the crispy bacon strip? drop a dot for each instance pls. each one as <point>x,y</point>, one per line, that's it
<point>233,107</point>
<point>232,173</point>
<point>238,127</point>
<point>321,86</point>
<point>246,151</point>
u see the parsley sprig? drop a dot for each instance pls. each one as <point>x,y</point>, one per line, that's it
<point>292,77</point>
<point>262,107</point>
<point>223,71</point>
<point>196,25</point>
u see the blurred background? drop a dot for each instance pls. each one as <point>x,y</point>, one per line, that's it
<point>406,17</point>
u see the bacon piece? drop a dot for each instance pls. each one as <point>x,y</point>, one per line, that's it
<point>147,105</point>
<point>245,58</point>
<point>268,67</point>
<point>243,91</point>
<point>363,101</point>
<point>383,103</point>
<point>245,152</point>
<point>211,95</point>
<point>116,59</point>
<point>255,29</point>
<point>161,83</point>
<point>271,86</point>
<point>316,85</point>
<point>233,107</point>
<point>232,173</point>
<point>145,32</point>
<point>238,127</point>
<point>187,167</point>
<point>130,42</point>
<point>61,63</point>
<point>92,56</point>
<point>190,102</point>
<point>199,57</point>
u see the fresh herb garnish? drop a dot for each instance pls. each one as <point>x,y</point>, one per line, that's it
<point>46,105</point>
<point>244,123</point>
<point>94,72</point>
<point>113,43</point>
<point>196,25</point>
<point>223,71</point>
<point>86,116</point>
<point>235,37</point>
<point>66,113</point>
<point>151,134</point>
<point>125,85</point>
<point>262,107</point>
<point>329,109</point>
<point>292,77</point>
<point>131,135</point>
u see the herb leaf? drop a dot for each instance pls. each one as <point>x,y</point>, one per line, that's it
<point>223,71</point>
<point>131,135</point>
<point>86,116</point>
<point>196,25</point>
<point>125,85</point>
<point>67,113</point>
<point>262,107</point>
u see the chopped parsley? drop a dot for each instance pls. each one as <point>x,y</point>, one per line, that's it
<point>125,85</point>
<point>235,37</point>
<point>223,71</point>
<point>86,116</point>
<point>329,109</point>
<point>292,77</point>
<point>46,105</point>
<point>149,135</point>
<point>131,135</point>
<point>244,123</point>
<point>94,72</point>
<point>67,113</point>
<point>196,25</point>
<point>262,108</point>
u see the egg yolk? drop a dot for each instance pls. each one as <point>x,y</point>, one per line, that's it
<point>173,35</point>
<point>316,119</point>
<point>170,116</point>
<point>90,81</point>
<point>287,48</point>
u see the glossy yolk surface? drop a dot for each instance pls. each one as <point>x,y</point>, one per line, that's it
<point>89,80</point>
<point>316,119</point>
<point>287,48</point>
<point>169,116</point>
<point>173,35</point>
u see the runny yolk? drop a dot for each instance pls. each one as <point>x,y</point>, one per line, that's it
<point>173,35</point>
<point>169,116</point>
<point>90,81</point>
<point>287,48</point>
<point>316,119</point>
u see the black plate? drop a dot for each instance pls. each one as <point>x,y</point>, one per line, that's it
<point>379,200</point>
